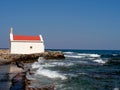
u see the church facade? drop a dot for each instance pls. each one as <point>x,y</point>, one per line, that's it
<point>24,44</point>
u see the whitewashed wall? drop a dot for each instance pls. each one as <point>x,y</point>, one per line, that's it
<point>26,47</point>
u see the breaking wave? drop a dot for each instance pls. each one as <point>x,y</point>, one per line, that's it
<point>87,57</point>
<point>99,61</point>
<point>74,56</point>
<point>79,70</point>
<point>41,70</point>
<point>90,55</point>
<point>50,74</point>
<point>35,65</point>
<point>61,64</point>
<point>83,56</point>
<point>68,52</point>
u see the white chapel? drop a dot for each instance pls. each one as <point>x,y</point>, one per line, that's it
<point>22,44</point>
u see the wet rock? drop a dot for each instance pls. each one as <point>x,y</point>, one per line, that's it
<point>18,82</point>
<point>4,77</point>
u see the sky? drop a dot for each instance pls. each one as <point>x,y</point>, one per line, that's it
<point>64,24</point>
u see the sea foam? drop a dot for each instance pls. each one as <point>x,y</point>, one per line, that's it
<point>81,55</point>
<point>74,56</point>
<point>99,61</point>
<point>62,63</point>
<point>90,55</point>
<point>50,74</point>
<point>35,65</point>
<point>41,70</point>
<point>68,52</point>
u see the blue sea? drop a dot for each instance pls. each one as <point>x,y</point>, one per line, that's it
<point>80,70</point>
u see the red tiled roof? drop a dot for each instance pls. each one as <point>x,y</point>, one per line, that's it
<point>21,37</point>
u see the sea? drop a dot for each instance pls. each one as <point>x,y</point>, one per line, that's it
<point>80,70</point>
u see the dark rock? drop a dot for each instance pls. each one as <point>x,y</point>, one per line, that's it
<point>115,61</point>
<point>4,77</point>
<point>53,55</point>
<point>18,82</point>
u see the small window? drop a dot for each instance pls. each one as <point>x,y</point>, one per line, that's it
<point>31,47</point>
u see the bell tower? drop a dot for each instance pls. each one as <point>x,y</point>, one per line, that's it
<point>11,30</point>
<point>11,34</point>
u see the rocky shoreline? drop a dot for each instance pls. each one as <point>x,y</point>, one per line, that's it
<point>7,58</point>
<point>19,80</point>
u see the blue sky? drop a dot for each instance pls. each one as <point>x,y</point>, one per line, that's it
<point>64,24</point>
